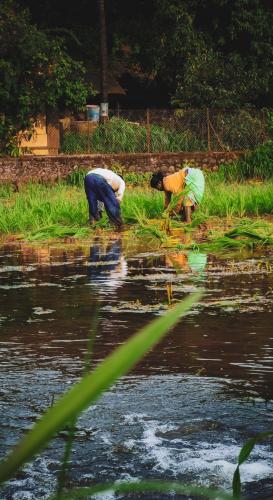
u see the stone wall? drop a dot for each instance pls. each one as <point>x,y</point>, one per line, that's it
<point>50,168</point>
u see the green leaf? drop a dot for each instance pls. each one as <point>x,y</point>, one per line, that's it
<point>248,447</point>
<point>236,483</point>
<point>243,456</point>
<point>92,386</point>
<point>246,450</point>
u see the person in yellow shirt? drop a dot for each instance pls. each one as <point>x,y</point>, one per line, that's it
<point>189,182</point>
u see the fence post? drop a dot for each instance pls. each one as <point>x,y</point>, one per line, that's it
<point>148,131</point>
<point>208,130</point>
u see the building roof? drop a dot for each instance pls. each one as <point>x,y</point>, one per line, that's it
<point>93,76</point>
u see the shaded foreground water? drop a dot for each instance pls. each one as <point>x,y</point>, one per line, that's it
<point>189,405</point>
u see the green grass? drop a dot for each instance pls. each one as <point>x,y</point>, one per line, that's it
<point>41,211</point>
<point>232,199</point>
<point>121,136</point>
<point>257,163</point>
<point>76,178</point>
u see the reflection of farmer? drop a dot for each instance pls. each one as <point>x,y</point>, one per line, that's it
<point>189,179</point>
<point>107,268</point>
<point>194,262</point>
<point>107,187</point>
<point>197,262</point>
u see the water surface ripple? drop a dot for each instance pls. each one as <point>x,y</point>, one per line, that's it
<point>189,405</point>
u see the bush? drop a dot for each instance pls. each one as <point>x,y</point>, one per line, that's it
<point>255,164</point>
<point>121,136</point>
<point>240,129</point>
<point>74,142</point>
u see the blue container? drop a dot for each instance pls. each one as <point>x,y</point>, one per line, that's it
<point>93,112</point>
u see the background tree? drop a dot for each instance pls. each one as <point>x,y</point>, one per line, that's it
<point>103,62</point>
<point>212,52</point>
<point>193,52</point>
<point>37,74</point>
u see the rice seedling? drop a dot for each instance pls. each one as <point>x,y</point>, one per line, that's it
<point>59,211</point>
<point>236,200</point>
<point>237,239</point>
<point>5,191</point>
<point>57,231</point>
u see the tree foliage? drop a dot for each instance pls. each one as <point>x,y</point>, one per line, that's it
<point>207,52</point>
<point>37,74</point>
<point>215,53</point>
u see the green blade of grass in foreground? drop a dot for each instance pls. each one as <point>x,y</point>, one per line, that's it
<point>92,386</point>
<point>243,456</point>
<point>142,486</point>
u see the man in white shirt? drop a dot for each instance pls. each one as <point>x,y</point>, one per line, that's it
<point>107,187</point>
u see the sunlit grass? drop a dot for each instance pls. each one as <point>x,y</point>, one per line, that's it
<point>43,211</point>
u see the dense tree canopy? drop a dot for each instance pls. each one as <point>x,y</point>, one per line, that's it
<point>198,52</point>
<point>216,53</point>
<point>37,74</point>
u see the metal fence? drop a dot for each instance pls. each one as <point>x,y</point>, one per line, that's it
<point>160,131</point>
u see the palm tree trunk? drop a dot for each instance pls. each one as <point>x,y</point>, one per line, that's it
<point>103,63</point>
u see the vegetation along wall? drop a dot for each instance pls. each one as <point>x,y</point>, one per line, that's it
<point>51,168</point>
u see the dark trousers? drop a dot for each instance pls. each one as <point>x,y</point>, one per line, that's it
<point>97,188</point>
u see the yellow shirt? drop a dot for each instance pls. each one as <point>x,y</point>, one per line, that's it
<point>174,183</point>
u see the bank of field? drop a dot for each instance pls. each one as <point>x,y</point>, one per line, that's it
<point>46,211</point>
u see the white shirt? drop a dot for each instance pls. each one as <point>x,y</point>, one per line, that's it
<point>115,181</point>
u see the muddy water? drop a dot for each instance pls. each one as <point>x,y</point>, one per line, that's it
<point>186,409</point>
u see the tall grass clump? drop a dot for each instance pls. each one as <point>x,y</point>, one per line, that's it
<point>121,136</point>
<point>5,191</point>
<point>141,202</point>
<point>136,179</point>
<point>256,164</point>
<point>44,211</point>
<point>38,206</point>
<point>235,199</point>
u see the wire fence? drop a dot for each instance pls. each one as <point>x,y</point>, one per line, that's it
<point>161,131</point>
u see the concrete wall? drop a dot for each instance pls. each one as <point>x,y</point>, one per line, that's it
<point>38,143</point>
<point>45,137</point>
<point>50,168</point>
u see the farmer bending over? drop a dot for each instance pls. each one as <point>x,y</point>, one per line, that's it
<point>189,179</point>
<point>107,187</point>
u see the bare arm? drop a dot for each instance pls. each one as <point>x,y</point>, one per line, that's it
<point>120,192</point>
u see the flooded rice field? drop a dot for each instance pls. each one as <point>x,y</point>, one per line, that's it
<point>186,409</point>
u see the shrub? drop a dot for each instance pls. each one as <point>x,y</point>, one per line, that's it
<point>255,164</point>
<point>121,136</point>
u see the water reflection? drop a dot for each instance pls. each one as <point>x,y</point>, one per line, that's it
<point>107,267</point>
<point>171,416</point>
<point>194,262</point>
